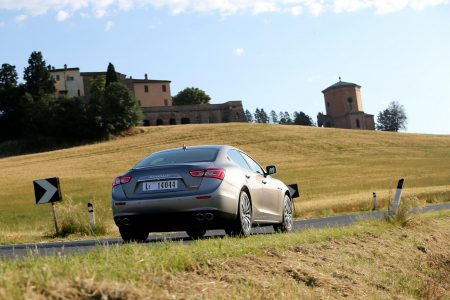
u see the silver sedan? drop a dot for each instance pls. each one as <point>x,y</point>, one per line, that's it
<point>195,189</point>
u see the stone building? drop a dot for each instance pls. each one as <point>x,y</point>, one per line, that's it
<point>68,82</point>
<point>344,107</point>
<point>231,111</point>
<point>154,97</point>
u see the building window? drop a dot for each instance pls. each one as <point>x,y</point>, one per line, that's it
<point>159,122</point>
<point>57,77</point>
<point>172,121</point>
<point>79,93</point>
<point>146,88</point>
<point>146,122</point>
<point>164,88</point>
<point>357,124</point>
<point>166,103</point>
<point>70,78</point>
<point>185,121</point>
<point>350,100</point>
<point>328,104</point>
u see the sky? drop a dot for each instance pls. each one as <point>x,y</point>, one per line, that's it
<point>272,54</point>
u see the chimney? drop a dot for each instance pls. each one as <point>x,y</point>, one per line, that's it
<point>146,77</point>
<point>65,67</point>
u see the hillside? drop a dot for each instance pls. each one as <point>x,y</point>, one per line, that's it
<point>337,170</point>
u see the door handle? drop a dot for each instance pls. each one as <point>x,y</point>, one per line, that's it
<point>247,176</point>
<point>264,181</point>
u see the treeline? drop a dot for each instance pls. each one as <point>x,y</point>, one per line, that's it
<point>31,111</point>
<point>297,118</point>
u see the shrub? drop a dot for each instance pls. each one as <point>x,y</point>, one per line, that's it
<point>73,218</point>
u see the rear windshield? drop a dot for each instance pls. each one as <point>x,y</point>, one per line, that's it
<point>179,156</point>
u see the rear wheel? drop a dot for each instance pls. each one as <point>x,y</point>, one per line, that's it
<point>132,234</point>
<point>288,214</point>
<point>243,224</point>
<point>196,234</point>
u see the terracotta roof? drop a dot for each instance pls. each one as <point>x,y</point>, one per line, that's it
<point>339,85</point>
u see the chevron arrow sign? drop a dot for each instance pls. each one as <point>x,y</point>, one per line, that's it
<point>47,190</point>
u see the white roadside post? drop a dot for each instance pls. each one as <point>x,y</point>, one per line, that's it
<point>375,201</point>
<point>394,207</point>
<point>91,214</point>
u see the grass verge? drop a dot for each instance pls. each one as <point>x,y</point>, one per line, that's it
<point>371,259</point>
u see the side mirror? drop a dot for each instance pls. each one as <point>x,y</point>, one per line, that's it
<point>271,170</point>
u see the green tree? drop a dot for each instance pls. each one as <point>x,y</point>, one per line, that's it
<point>300,118</point>
<point>320,119</point>
<point>191,95</point>
<point>285,118</point>
<point>38,81</point>
<point>120,109</point>
<point>69,119</point>
<point>94,108</point>
<point>392,118</point>
<point>111,75</point>
<point>248,116</point>
<point>8,76</point>
<point>274,117</point>
<point>264,117</point>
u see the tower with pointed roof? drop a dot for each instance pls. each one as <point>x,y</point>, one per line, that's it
<point>344,107</point>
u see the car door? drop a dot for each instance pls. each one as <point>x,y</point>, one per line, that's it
<point>267,202</point>
<point>253,182</point>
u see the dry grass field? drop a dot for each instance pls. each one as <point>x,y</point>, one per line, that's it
<point>337,170</point>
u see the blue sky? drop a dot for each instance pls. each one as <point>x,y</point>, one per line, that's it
<point>271,54</point>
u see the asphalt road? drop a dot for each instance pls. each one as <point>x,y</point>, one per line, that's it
<point>62,248</point>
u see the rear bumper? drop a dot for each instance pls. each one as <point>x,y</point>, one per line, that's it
<point>177,213</point>
<point>205,219</point>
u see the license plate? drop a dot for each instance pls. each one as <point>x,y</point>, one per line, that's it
<point>160,185</point>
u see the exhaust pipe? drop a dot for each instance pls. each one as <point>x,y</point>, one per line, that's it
<point>200,217</point>
<point>209,216</point>
<point>125,221</point>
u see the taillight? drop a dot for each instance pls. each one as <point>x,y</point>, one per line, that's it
<point>210,173</point>
<point>121,180</point>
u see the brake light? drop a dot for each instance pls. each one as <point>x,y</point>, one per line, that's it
<point>209,173</point>
<point>121,180</point>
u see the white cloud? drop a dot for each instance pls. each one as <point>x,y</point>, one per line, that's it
<point>62,15</point>
<point>100,8</point>
<point>239,51</point>
<point>296,10</point>
<point>109,25</point>
<point>21,18</point>
<point>100,13</point>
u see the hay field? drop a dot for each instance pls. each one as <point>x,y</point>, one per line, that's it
<point>337,170</point>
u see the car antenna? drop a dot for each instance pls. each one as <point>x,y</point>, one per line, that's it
<point>184,147</point>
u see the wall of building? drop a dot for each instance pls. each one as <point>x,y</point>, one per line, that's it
<point>342,113</point>
<point>68,82</point>
<point>231,111</point>
<point>337,104</point>
<point>151,94</point>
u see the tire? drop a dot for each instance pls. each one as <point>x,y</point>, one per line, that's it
<point>132,234</point>
<point>196,234</point>
<point>243,224</point>
<point>288,214</point>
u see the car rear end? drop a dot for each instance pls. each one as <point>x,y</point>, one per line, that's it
<point>180,190</point>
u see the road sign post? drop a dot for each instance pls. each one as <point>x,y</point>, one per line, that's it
<point>48,190</point>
